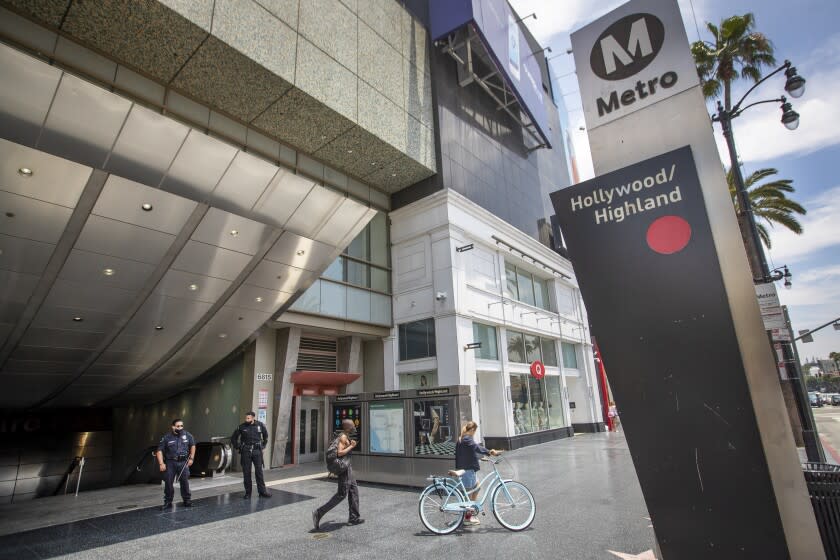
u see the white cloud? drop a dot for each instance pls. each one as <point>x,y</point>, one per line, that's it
<point>821,230</point>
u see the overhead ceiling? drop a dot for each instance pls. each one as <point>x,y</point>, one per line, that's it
<point>138,252</point>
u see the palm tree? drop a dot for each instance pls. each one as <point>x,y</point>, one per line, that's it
<point>769,202</point>
<point>736,52</point>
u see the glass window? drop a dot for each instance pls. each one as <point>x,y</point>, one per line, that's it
<point>434,433</point>
<point>417,339</point>
<point>515,347</point>
<point>510,281</point>
<point>569,355</point>
<point>418,380</point>
<point>554,396</point>
<point>380,309</point>
<point>486,335</point>
<point>358,305</point>
<point>539,415</point>
<point>357,274</point>
<point>360,247</point>
<point>379,279</point>
<point>521,404</point>
<point>335,271</point>
<point>526,287</point>
<point>541,293</point>
<point>549,352</point>
<point>532,348</point>
<point>379,239</point>
<point>310,301</point>
<point>333,299</point>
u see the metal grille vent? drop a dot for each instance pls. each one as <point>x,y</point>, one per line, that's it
<point>317,354</point>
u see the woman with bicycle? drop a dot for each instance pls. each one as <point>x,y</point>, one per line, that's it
<point>467,451</point>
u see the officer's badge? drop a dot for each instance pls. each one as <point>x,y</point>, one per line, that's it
<point>184,438</point>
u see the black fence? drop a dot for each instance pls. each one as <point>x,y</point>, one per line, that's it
<point>824,488</point>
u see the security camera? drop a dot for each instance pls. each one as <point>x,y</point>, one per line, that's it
<point>440,296</point>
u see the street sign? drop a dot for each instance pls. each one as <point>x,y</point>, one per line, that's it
<point>781,335</point>
<point>768,303</point>
<point>537,369</point>
<point>805,336</point>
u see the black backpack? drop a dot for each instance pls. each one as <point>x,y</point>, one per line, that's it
<point>336,464</point>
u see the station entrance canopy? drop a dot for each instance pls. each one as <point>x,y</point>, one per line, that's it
<point>488,32</point>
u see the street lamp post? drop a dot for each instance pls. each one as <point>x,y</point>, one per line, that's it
<point>795,87</point>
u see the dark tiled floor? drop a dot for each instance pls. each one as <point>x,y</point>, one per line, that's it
<point>134,524</point>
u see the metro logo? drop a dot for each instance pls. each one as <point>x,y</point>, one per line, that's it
<point>643,34</point>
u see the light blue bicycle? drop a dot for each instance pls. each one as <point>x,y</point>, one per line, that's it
<point>445,502</point>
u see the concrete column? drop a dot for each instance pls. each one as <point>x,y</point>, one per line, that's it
<point>350,360</point>
<point>390,362</point>
<point>262,377</point>
<point>287,346</point>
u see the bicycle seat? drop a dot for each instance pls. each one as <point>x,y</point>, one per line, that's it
<point>459,472</point>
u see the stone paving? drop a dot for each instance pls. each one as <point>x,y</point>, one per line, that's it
<point>589,506</point>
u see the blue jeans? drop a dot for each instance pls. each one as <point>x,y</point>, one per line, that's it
<point>469,480</point>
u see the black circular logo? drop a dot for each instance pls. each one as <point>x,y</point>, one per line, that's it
<point>627,46</point>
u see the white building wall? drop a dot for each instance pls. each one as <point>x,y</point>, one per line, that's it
<point>431,279</point>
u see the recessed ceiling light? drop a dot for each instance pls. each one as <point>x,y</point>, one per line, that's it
<point>234,232</point>
<point>393,174</point>
<point>258,299</point>
<point>10,214</point>
<point>108,272</point>
<point>373,163</point>
<point>78,319</point>
<point>222,335</point>
<point>301,253</point>
<point>159,328</point>
<point>193,287</point>
<point>25,171</point>
<point>349,151</point>
<point>279,276</point>
<point>146,207</point>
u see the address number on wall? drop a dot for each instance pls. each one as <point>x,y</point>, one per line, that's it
<point>264,376</point>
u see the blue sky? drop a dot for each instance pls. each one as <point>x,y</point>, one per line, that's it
<point>806,33</point>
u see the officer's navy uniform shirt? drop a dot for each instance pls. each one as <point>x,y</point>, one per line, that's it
<point>250,434</point>
<point>176,447</point>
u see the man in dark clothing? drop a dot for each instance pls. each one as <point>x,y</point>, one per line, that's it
<point>347,487</point>
<point>251,438</point>
<point>175,454</point>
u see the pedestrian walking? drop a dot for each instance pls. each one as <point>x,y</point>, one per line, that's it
<point>612,413</point>
<point>347,487</point>
<point>175,454</point>
<point>250,438</point>
<point>467,451</point>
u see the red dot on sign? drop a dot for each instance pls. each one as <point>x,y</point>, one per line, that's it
<point>668,235</point>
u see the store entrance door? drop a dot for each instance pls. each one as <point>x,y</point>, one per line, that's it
<point>310,428</point>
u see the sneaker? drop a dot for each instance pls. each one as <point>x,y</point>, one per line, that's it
<point>187,503</point>
<point>472,521</point>
<point>357,521</point>
<point>166,506</point>
<point>246,497</point>
<point>265,495</point>
<point>316,520</point>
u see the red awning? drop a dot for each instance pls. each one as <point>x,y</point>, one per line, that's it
<point>314,383</point>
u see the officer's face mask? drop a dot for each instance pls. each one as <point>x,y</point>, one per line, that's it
<point>178,429</point>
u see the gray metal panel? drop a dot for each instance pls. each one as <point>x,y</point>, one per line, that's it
<point>123,372</point>
<point>59,370</point>
<point>282,197</point>
<point>24,255</point>
<point>21,116</point>
<point>276,276</point>
<point>341,222</point>
<point>16,287</point>
<point>83,122</point>
<point>31,218</point>
<point>110,237</point>
<point>171,313</point>
<point>209,260</point>
<point>61,338</point>
<point>53,179</point>
<point>84,296</point>
<point>66,355</point>
<point>122,199</point>
<point>243,182</point>
<point>176,283</point>
<point>256,298</point>
<point>146,146</point>
<point>301,252</point>
<point>199,165</point>
<point>62,318</point>
<point>230,231</point>
<point>314,211</point>
<point>89,268</point>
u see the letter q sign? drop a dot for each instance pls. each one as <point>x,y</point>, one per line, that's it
<point>537,369</point>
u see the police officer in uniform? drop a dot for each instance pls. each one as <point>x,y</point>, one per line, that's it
<point>251,438</point>
<point>175,454</point>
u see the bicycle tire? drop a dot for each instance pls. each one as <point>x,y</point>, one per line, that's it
<point>432,516</point>
<point>507,513</point>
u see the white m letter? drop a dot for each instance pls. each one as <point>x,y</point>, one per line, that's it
<point>638,44</point>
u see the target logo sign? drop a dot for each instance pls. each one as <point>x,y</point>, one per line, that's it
<point>537,369</point>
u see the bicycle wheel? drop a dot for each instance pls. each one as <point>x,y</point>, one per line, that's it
<point>432,514</point>
<point>514,509</point>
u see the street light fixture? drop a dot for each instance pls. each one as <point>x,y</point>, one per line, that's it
<point>795,84</point>
<point>781,272</point>
<point>790,118</point>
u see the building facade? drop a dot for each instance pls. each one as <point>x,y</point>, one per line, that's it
<point>214,207</point>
